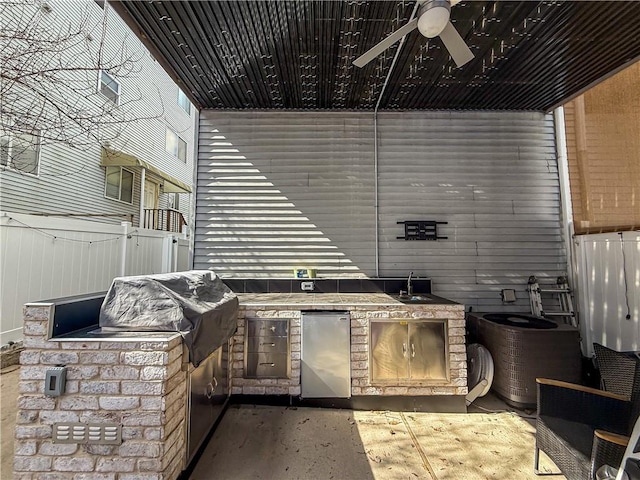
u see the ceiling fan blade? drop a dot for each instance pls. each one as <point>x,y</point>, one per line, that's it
<point>456,46</point>
<point>377,49</point>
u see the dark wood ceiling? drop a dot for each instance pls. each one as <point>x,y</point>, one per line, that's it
<point>297,54</point>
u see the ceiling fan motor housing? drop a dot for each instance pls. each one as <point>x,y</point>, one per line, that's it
<point>433,17</point>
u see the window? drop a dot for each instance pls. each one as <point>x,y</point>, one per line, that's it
<point>176,145</point>
<point>119,184</point>
<point>109,87</point>
<point>174,201</point>
<point>184,102</point>
<point>20,152</point>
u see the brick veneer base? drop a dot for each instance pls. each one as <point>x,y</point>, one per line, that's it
<point>140,385</point>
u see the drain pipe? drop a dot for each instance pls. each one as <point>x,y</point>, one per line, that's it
<point>565,189</point>
<point>375,141</point>
<point>565,202</point>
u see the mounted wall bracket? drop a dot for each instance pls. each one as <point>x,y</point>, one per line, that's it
<point>421,230</point>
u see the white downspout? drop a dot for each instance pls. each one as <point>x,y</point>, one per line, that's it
<point>142,185</point>
<point>566,207</point>
<point>375,142</point>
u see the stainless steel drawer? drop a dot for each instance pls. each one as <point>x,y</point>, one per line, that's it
<point>257,327</point>
<point>267,344</point>
<point>265,365</point>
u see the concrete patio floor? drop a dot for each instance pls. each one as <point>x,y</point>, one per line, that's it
<point>258,442</point>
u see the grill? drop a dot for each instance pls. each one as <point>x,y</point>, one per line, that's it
<point>195,304</point>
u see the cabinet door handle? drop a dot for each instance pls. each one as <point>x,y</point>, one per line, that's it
<point>269,364</point>
<point>208,391</point>
<point>404,350</point>
<point>413,350</point>
<point>270,344</point>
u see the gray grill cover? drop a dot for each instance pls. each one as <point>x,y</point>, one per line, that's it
<point>196,303</point>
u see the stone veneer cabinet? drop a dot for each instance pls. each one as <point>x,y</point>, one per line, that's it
<point>138,383</point>
<point>364,310</point>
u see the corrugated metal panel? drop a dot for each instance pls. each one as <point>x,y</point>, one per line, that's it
<point>281,190</point>
<point>278,190</point>
<point>609,284</point>
<point>493,177</point>
<point>298,54</point>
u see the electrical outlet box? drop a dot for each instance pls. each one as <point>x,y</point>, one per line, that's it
<point>508,295</point>
<point>55,380</point>
<point>307,286</point>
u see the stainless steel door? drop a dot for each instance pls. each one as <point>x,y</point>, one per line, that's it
<point>409,351</point>
<point>427,351</point>
<point>208,392</point>
<point>389,351</point>
<point>325,369</point>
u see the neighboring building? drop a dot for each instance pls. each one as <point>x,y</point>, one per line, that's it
<point>145,174</point>
<point>134,165</point>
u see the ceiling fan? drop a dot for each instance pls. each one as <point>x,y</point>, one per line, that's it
<point>432,21</point>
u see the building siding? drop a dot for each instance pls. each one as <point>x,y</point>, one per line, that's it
<point>603,148</point>
<point>276,190</point>
<point>71,180</point>
<point>493,177</point>
<point>280,190</point>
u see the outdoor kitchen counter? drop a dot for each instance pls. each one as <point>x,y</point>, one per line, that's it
<point>365,310</point>
<point>334,300</point>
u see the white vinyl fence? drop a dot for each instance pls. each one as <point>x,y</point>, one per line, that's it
<point>608,267</point>
<point>47,257</point>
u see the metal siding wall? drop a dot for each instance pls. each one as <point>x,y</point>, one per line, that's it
<point>277,190</point>
<point>608,281</point>
<point>275,186</point>
<point>493,177</point>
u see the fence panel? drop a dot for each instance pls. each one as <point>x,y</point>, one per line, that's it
<point>47,257</point>
<point>609,289</point>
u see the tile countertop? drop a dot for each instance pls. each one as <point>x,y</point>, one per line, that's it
<point>335,299</point>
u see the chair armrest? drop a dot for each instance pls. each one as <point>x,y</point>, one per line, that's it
<point>576,403</point>
<point>580,388</point>
<point>608,449</point>
<point>621,440</point>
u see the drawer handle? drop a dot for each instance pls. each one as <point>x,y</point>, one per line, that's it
<point>270,344</point>
<point>269,364</point>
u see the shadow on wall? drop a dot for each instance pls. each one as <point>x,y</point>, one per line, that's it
<point>251,228</point>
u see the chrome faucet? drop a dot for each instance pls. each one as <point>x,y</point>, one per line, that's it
<point>409,286</point>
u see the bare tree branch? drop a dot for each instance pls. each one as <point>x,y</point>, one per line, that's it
<point>49,78</point>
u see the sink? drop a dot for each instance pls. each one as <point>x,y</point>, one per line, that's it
<point>413,299</point>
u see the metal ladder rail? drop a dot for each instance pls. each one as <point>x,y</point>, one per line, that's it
<point>564,295</point>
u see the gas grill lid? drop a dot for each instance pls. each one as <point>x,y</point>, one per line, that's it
<point>195,303</point>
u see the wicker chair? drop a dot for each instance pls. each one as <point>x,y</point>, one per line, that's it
<point>582,428</point>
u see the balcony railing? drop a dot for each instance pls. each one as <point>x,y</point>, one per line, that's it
<point>168,220</point>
